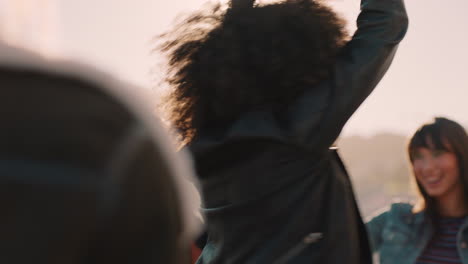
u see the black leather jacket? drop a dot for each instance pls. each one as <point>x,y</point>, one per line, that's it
<point>273,191</point>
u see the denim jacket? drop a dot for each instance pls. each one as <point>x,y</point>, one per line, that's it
<point>400,236</point>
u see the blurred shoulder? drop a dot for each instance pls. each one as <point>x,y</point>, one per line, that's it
<point>395,209</point>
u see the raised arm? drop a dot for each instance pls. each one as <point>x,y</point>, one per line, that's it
<point>319,115</point>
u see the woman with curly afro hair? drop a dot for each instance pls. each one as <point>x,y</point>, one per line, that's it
<point>259,93</point>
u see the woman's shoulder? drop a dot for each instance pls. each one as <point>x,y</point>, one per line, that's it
<point>396,210</point>
<point>401,208</point>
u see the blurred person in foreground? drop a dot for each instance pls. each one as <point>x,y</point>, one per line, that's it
<point>259,95</point>
<point>435,230</point>
<point>86,173</point>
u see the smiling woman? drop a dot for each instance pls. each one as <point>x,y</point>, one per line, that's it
<point>439,155</point>
<point>433,231</point>
<point>437,171</point>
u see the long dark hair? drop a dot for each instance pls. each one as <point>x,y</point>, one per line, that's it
<point>442,134</point>
<point>222,63</point>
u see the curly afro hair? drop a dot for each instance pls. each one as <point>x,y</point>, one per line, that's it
<point>224,62</point>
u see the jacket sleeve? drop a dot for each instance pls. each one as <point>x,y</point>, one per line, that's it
<point>319,115</point>
<point>374,230</point>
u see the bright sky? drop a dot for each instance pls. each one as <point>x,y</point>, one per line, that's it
<point>427,78</point>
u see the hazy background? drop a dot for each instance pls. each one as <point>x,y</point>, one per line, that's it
<point>427,78</point>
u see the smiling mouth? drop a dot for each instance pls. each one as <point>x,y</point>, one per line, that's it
<point>433,180</point>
